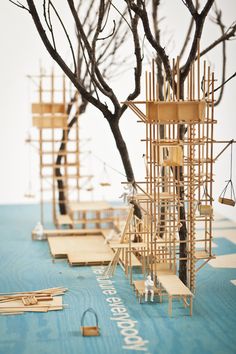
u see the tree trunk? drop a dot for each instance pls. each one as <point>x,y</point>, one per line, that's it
<point>183,232</point>
<point>182,235</point>
<point>65,135</point>
<point>60,183</point>
<point>122,148</point>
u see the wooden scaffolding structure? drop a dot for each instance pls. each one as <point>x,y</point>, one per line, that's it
<point>61,178</point>
<point>177,190</point>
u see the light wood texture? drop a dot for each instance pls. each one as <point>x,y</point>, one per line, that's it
<point>50,121</point>
<point>175,288</point>
<point>164,268</point>
<point>64,220</point>
<point>171,156</point>
<point>206,210</point>
<point>226,201</point>
<point>33,301</point>
<point>42,108</point>
<point>135,245</point>
<point>81,250</point>
<point>179,172</point>
<point>89,206</point>
<point>101,211</point>
<point>123,239</point>
<point>181,111</point>
<point>74,232</point>
<point>90,258</point>
<point>139,288</point>
<point>61,175</point>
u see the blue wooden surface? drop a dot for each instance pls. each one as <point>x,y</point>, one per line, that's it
<point>27,265</point>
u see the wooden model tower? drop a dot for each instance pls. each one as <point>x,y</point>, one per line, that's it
<point>177,191</point>
<point>59,145</point>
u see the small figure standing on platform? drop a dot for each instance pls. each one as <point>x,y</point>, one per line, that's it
<point>38,231</point>
<point>149,285</point>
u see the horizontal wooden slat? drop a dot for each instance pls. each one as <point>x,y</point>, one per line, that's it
<point>50,121</point>
<point>42,108</point>
<point>182,111</point>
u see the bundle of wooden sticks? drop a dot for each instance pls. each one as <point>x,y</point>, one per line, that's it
<point>32,301</point>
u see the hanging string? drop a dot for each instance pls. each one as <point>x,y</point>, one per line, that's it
<point>231,161</point>
<point>107,165</point>
<point>229,184</point>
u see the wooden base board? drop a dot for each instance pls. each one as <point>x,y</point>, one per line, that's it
<point>82,250</point>
<point>72,232</point>
<point>44,306</point>
<point>91,259</point>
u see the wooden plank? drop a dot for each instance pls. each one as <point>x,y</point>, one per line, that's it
<point>139,288</point>
<point>81,250</point>
<point>181,111</point>
<point>64,220</point>
<point>50,121</point>
<point>45,107</point>
<point>89,206</point>
<point>42,306</point>
<point>89,258</point>
<point>135,262</point>
<point>136,245</point>
<point>173,285</point>
<point>72,232</point>
<point>164,268</point>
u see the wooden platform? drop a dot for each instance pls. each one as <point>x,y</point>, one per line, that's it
<point>89,206</point>
<point>64,220</point>
<point>94,212</point>
<point>176,288</point>
<point>139,288</point>
<point>81,250</point>
<point>101,258</point>
<point>72,232</point>
<point>164,268</point>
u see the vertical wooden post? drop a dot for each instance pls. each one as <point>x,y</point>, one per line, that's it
<point>41,148</point>
<point>53,150</point>
<point>173,79</point>
<point>198,70</point>
<point>178,78</point>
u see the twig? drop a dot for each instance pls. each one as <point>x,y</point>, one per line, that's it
<point>20,5</point>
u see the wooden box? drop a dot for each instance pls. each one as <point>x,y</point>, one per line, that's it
<point>226,201</point>
<point>49,115</point>
<point>50,121</point>
<point>42,108</point>
<point>89,331</point>
<point>181,111</point>
<point>205,210</point>
<point>169,155</point>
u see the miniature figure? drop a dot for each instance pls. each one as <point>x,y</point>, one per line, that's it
<point>149,284</point>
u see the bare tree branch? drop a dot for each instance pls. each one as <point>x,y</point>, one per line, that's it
<point>20,5</point>
<point>141,11</point>
<point>100,82</point>
<point>189,31</point>
<point>219,22</point>
<point>111,34</point>
<point>66,33</point>
<point>55,55</point>
<point>192,9</point>
<point>199,22</point>
<point>229,34</point>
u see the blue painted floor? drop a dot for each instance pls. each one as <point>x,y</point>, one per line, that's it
<point>27,265</point>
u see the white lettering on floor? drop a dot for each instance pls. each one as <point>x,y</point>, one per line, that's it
<point>127,326</point>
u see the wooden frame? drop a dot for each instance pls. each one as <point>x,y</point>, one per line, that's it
<point>165,154</point>
<point>50,117</point>
<point>178,112</point>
